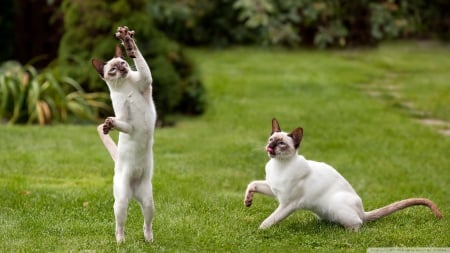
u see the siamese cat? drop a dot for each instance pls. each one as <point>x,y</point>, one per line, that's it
<point>135,117</point>
<point>298,183</point>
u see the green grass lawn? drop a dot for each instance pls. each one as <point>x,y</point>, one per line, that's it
<point>56,182</point>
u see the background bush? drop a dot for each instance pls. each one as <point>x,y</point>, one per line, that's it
<point>201,22</point>
<point>326,23</point>
<point>29,96</point>
<point>76,31</point>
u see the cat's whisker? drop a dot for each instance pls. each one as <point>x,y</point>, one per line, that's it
<point>259,148</point>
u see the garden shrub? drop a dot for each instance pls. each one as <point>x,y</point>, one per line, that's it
<point>325,23</point>
<point>29,96</point>
<point>202,22</point>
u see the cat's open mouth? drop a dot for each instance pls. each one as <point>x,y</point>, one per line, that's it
<point>123,72</point>
<point>271,151</point>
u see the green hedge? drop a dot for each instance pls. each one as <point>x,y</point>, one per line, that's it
<point>319,23</point>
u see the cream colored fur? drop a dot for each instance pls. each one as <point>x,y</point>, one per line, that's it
<point>298,183</point>
<point>135,117</point>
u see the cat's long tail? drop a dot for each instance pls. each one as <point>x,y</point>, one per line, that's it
<point>110,145</point>
<point>396,206</point>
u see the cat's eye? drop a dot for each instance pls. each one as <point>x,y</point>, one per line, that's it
<point>281,143</point>
<point>112,71</point>
<point>122,63</point>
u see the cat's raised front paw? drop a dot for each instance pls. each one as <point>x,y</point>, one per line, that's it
<point>108,125</point>
<point>248,199</point>
<point>126,36</point>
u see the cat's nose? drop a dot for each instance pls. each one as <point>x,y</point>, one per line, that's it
<point>272,145</point>
<point>270,150</point>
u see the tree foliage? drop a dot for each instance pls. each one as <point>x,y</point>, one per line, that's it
<point>323,23</point>
<point>200,22</point>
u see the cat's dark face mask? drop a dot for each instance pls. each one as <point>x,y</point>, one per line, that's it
<point>281,144</point>
<point>117,68</point>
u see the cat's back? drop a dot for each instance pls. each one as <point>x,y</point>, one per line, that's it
<point>324,170</point>
<point>329,176</point>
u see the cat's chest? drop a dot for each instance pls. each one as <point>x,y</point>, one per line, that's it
<point>285,178</point>
<point>129,102</point>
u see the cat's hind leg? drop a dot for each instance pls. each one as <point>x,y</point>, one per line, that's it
<point>254,187</point>
<point>144,195</point>
<point>346,209</point>
<point>122,197</point>
<point>349,219</point>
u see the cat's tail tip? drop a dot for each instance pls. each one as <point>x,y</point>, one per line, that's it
<point>394,207</point>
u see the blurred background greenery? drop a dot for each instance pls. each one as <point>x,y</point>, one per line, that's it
<point>47,45</point>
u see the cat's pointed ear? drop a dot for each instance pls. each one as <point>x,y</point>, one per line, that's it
<point>275,126</point>
<point>98,65</point>
<point>119,52</point>
<point>297,136</point>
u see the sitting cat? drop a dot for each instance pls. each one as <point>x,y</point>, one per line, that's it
<point>298,183</point>
<point>135,117</point>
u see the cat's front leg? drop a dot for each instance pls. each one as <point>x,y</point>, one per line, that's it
<point>126,36</point>
<point>114,123</point>
<point>108,125</point>
<point>256,186</point>
<point>278,215</point>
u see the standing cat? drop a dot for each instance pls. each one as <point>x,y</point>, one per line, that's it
<point>298,183</point>
<point>135,117</point>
